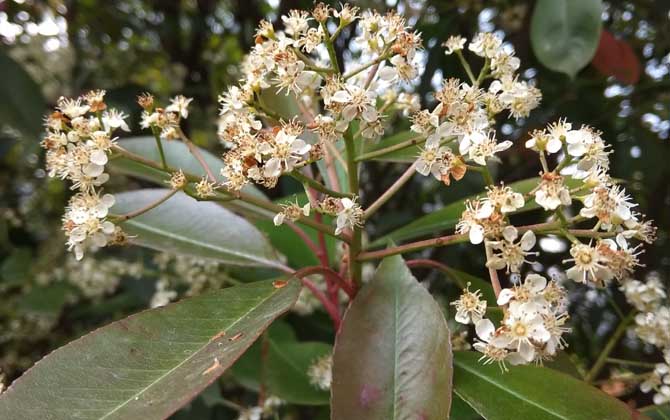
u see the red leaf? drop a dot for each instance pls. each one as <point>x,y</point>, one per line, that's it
<point>615,57</point>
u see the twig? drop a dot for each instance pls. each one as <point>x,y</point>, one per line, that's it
<point>142,210</point>
<point>614,339</point>
<point>397,185</point>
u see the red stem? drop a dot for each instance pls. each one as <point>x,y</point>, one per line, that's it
<point>328,305</point>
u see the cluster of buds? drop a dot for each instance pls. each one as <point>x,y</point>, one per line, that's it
<point>78,141</point>
<point>533,324</point>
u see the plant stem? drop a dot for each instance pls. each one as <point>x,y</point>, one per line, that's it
<point>195,151</point>
<point>327,271</point>
<point>355,268</point>
<point>397,185</point>
<point>427,263</point>
<point>159,145</point>
<point>386,150</point>
<point>466,67</point>
<point>493,273</point>
<point>486,174</point>
<point>227,195</point>
<point>364,67</point>
<point>142,210</point>
<point>443,241</point>
<point>614,339</point>
<point>318,186</point>
<point>331,49</point>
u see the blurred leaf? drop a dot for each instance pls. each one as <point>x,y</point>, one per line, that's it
<point>392,358</point>
<point>530,393</point>
<point>150,364</point>
<point>564,34</point>
<point>183,225</point>
<point>657,412</point>
<point>15,269</point>
<point>22,103</point>
<point>615,57</point>
<point>46,300</point>
<point>286,371</point>
<point>177,156</point>
<point>460,410</point>
<point>447,217</point>
<point>283,369</point>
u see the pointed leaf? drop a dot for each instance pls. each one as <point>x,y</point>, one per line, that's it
<point>150,364</point>
<point>564,34</point>
<point>530,393</point>
<point>184,225</point>
<point>392,358</point>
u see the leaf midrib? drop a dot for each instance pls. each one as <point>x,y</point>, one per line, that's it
<point>504,389</point>
<point>197,352</point>
<point>168,234</point>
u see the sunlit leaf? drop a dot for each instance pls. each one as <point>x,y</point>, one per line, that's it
<point>564,34</point>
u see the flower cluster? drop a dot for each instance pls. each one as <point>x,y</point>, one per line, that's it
<point>465,111</point>
<point>534,317</point>
<point>320,372</point>
<point>78,141</point>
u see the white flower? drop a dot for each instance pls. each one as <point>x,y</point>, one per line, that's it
<point>471,223</point>
<point>485,44</point>
<point>291,212</point>
<point>470,308</point>
<point>285,153</point>
<point>529,292</point>
<point>73,108</point>
<point>483,148</point>
<point>114,119</point>
<point>432,161</point>
<point>610,204</point>
<point>350,215</point>
<point>524,328</point>
<point>508,254</point>
<point>590,265</point>
<point>493,346</point>
<point>454,43</point>
<point>320,372</point>
<point>179,105</point>
<point>644,296</point>
<point>296,23</point>
<point>552,192</point>
<point>356,103</point>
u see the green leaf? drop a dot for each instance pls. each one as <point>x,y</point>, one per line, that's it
<point>565,34</point>
<point>183,225</point>
<point>405,155</point>
<point>177,156</point>
<point>392,358</point>
<point>286,371</point>
<point>150,364</point>
<point>283,369</point>
<point>657,412</point>
<point>447,217</point>
<point>22,100</point>
<point>530,393</point>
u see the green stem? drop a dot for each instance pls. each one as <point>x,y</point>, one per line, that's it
<point>159,145</point>
<point>386,150</point>
<point>397,185</point>
<point>466,67</point>
<point>331,49</point>
<point>364,67</point>
<point>486,174</point>
<point>318,186</point>
<point>635,363</point>
<point>142,210</point>
<point>614,339</point>
<point>355,267</point>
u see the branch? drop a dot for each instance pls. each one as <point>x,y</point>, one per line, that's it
<point>150,206</point>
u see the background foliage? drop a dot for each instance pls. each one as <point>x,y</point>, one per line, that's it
<point>192,47</point>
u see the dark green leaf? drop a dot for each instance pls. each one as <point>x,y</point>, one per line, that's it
<point>150,364</point>
<point>530,393</point>
<point>564,34</point>
<point>183,225</point>
<point>283,369</point>
<point>392,358</point>
<point>22,100</point>
<point>447,217</point>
